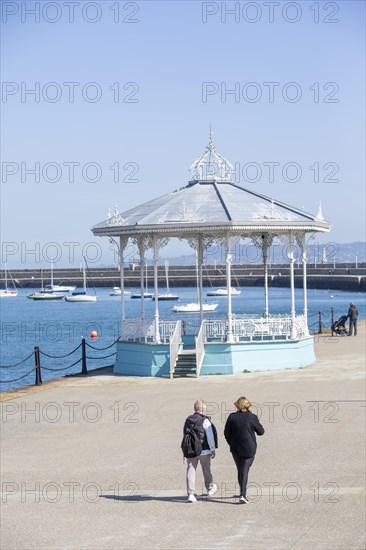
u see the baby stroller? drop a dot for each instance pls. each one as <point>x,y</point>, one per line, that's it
<point>339,326</point>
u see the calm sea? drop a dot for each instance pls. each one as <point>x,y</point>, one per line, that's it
<point>57,326</point>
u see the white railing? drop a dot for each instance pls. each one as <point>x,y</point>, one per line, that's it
<point>200,347</point>
<point>167,330</point>
<point>138,330</point>
<point>277,327</point>
<point>248,327</point>
<point>175,343</point>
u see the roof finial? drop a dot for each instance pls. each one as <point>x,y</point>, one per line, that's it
<point>320,217</point>
<point>210,135</point>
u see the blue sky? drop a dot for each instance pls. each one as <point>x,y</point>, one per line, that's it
<point>163,60</point>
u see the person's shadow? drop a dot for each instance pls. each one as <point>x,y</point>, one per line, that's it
<point>172,498</point>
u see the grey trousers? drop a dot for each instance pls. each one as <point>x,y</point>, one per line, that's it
<point>352,325</point>
<point>192,464</point>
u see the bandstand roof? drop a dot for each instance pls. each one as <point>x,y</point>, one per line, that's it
<point>210,203</point>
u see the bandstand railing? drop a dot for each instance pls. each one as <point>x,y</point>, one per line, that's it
<point>175,343</point>
<point>254,328</point>
<point>143,330</point>
<point>200,347</point>
<point>245,327</point>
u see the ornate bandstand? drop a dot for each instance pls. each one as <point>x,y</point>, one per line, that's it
<point>210,210</point>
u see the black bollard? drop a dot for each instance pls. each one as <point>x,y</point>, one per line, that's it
<point>37,362</point>
<point>84,370</point>
<point>320,323</point>
<point>332,319</point>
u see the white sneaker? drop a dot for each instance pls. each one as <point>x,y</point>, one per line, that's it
<point>212,491</point>
<point>243,500</point>
<point>191,498</point>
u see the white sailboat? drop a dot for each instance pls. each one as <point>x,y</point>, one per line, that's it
<point>117,292</point>
<point>44,294</point>
<point>7,292</point>
<point>81,295</point>
<point>223,292</point>
<point>167,295</point>
<point>146,294</point>
<point>194,307</point>
<point>57,288</point>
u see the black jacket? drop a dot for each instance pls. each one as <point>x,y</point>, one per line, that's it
<point>240,430</point>
<point>197,421</point>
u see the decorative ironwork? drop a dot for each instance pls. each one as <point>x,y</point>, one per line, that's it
<point>115,219</point>
<point>211,166</point>
<point>273,212</point>
<point>185,214</point>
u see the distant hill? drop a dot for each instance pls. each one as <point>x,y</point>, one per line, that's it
<point>246,254</point>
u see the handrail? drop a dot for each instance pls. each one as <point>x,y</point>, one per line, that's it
<point>200,347</point>
<point>175,341</point>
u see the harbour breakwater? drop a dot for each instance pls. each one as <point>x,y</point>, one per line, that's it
<point>325,276</point>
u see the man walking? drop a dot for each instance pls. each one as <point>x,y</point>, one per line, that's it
<point>207,435</point>
<point>352,314</point>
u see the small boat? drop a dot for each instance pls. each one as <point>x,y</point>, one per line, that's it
<point>7,292</point>
<point>81,295</point>
<point>46,293</point>
<point>193,308</point>
<point>45,296</point>
<point>117,292</point>
<point>59,288</point>
<point>223,292</point>
<point>167,295</point>
<point>146,294</point>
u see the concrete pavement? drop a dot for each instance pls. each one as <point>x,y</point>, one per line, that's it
<point>94,463</point>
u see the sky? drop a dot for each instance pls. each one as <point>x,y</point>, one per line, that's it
<point>123,97</point>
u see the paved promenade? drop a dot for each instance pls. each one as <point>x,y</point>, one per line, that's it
<point>95,463</point>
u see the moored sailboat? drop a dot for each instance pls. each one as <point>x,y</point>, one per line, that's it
<point>7,292</point>
<point>81,295</point>
<point>167,295</point>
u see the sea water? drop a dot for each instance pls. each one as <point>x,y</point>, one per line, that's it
<point>58,326</point>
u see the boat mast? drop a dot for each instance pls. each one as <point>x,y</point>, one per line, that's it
<point>166,275</point>
<point>6,277</point>
<point>51,274</point>
<point>84,276</point>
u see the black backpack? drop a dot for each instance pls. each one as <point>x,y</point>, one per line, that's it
<point>191,445</point>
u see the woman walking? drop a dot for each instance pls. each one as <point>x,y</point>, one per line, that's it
<point>240,429</point>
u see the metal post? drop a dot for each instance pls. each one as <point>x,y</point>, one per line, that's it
<point>332,319</point>
<point>292,284</point>
<point>37,362</point>
<point>84,370</point>
<point>156,261</point>
<point>265,264</point>
<point>230,336</point>
<point>320,323</point>
<point>304,281</point>
<point>122,281</point>
<point>200,261</point>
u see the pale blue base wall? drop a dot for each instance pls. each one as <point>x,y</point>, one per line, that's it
<point>255,356</point>
<point>135,359</point>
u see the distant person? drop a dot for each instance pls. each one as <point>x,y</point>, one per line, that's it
<point>207,435</point>
<point>240,429</point>
<point>352,314</point>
